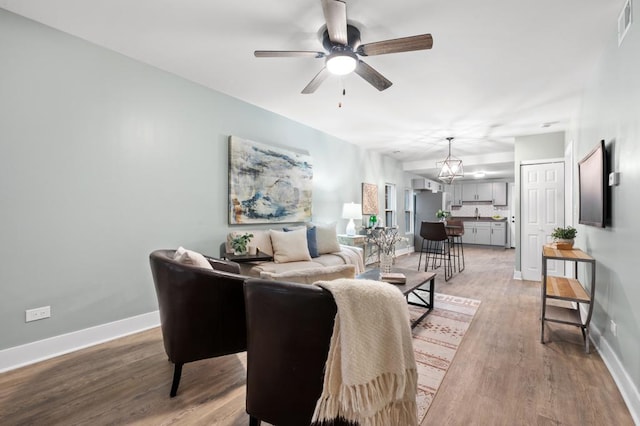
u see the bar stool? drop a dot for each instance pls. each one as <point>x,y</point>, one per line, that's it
<point>455,231</point>
<point>437,247</point>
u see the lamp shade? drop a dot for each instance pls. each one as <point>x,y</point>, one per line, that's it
<point>351,211</point>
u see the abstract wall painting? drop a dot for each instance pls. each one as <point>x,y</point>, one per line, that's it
<point>369,198</point>
<point>268,184</point>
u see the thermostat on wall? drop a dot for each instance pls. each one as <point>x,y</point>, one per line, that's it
<point>614,178</point>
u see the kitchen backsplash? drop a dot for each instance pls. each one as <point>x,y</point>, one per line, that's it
<point>485,210</point>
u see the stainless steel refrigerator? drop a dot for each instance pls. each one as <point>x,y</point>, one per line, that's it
<point>426,205</point>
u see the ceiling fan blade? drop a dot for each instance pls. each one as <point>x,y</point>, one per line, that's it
<point>405,44</point>
<point>335,14</point>
<point>287,54</point>
<point>316,82</point>
<point>374,78</point>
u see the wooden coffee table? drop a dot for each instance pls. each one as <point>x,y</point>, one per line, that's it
<point>415,280</point>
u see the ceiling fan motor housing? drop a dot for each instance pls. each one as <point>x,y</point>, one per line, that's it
<point>353,40</point>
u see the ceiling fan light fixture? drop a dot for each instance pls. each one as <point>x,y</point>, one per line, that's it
<point>341,63</point>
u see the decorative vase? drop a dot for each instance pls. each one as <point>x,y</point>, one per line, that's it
<point>372,221</point>
<point>563,244</point>
<point>386,262</point>
<point>238,252</point>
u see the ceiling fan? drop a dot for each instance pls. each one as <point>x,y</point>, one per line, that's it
<point>342,44</point>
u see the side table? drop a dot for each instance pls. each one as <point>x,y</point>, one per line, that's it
<point>568,289</point>
<point>245,258</point>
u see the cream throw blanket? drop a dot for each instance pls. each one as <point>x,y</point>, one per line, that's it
<point>352,256</point>
<point>370,376</point>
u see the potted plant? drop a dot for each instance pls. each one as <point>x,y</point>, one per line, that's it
<point>442,215</point>
<point>564,237</point>
<point>239,243</point>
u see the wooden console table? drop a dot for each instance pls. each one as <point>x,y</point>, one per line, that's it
<point>568,289</point>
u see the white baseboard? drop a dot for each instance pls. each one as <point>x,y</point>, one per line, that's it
<point>403,251</point>
<point>517,275</point>
<point>30,353</point>
<point>625,384</point>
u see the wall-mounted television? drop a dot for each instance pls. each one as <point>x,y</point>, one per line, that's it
<point>592,187</point>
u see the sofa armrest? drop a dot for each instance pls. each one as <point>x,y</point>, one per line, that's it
<point>224,265</point>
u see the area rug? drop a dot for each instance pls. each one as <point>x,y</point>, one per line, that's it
<point>435,342</point>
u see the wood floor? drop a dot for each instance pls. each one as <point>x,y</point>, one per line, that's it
<point>501,374</point>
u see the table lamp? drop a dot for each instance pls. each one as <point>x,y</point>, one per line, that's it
<point>351,211</point>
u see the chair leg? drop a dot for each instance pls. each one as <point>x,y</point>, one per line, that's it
<point>452,248</point>
<point>461,254</point>
<point>448,271</point>
<point>421,250</point>
<point>433,253</point>
<point>253,421</point>
<point>427,255</point>
<point>177,372</point>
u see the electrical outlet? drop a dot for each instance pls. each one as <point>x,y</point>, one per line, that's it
<point>614,328</point>
<point>37,313</point>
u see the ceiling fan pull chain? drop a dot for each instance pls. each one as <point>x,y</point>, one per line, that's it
<point>344,92</point>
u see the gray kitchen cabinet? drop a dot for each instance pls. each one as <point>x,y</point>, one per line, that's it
<point>455,193</point>
<point>483,233</point>
<point>427,184</point>
<point>469,192</point>
<point>499,191</point>
<point>476,233</point>
<point>477,192</point>
<point>469,236</point>
<point>499,234</point>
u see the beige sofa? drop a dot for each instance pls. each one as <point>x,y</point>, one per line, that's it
<point>295,257</point>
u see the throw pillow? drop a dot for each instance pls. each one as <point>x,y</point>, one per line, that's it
<point>289,246</point>
<point>193,258</point>
<point>312,242</point>
<point>327,238</point>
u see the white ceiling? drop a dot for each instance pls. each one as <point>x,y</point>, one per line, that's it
<point>498,68</point>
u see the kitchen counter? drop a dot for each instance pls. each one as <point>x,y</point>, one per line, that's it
<point>480,219</point>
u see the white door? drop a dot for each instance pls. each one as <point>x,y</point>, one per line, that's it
<point>512,217</point>
<point>542,210</point>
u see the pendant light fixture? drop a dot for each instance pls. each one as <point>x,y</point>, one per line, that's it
<point>450,168</point>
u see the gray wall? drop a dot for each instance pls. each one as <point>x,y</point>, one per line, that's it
<point>529,148</point>
<point>104,159</point>
<point>611,111</point>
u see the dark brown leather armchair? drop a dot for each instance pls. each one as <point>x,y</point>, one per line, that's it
<point>201,312</point>
<point>289,327</point>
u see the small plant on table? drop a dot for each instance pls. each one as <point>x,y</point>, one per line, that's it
<point>564,237</point>
<point>442,214</point>
<point>239,243</point>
